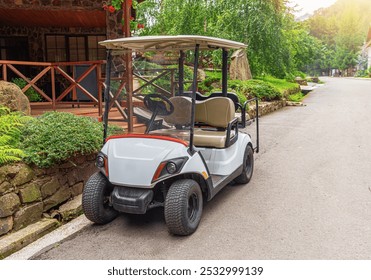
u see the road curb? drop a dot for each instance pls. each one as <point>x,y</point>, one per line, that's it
<point>22,238</point>
<point>51,239</point>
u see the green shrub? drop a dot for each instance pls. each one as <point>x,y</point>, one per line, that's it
<point>242,98</point>
<point>361,74</point>
<point>255,88</point>
<point>54,137</point>
<point>31,93</point>
<point>369,72</point>
<point>212,78</point>
<point>10,124</point>
<point>214,75</point>
<point>297,97</point>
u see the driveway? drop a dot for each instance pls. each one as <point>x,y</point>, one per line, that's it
<point>310,196</point>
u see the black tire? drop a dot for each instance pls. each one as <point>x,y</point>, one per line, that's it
<point>183,207</point>
<point>95,202</point>
<point>247,167</point>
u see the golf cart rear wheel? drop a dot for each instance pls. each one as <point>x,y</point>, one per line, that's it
<point>183,207</point>
<point>95,200</point>
<point>247,166</point>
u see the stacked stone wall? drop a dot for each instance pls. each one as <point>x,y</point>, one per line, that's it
<point>28,193</point>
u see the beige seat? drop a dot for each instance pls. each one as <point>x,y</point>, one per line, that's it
<point>217,118</point>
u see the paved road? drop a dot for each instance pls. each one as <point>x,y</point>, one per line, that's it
<point>310,197</point>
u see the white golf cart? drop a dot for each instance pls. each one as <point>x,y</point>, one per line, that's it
<point>186,160</point>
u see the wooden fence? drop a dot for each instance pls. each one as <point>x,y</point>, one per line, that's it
<point>74,85</point>
<point>49,71</point>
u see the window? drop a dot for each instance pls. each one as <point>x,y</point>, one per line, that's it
<point>56,48</point>
<point>96,51</point>
<point>14,48</point>
<point>74,48</point>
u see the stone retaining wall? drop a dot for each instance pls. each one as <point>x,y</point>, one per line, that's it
<point>265,107</point>
<point>26,193</point>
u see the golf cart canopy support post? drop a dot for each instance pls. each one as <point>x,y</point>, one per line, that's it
<point>181,72</point>
<point>194,89</point>
<point>128,67</point>
<point>107,95</point>
<point>225,73</point>
<point>257,124</point>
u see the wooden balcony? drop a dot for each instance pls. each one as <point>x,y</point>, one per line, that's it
<point>82,89</point>
<point>48,74</point>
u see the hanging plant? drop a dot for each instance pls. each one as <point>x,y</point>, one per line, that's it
<point>115,5</point>
<point>109,8</point>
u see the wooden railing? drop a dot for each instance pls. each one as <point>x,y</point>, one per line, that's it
<point>52,73</point>
<point>151,82</point>
<point>49,72</point>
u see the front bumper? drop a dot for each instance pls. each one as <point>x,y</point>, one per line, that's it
<point>131,200</point>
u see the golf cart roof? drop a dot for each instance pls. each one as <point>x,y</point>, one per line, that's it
<point>169,43</point>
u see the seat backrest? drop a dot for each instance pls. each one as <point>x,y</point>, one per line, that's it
<point>182,111</point>
<point>216,111</point>
<point>199,96</point>
<point>230,95</point>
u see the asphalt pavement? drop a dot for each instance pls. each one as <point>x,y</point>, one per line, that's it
<point>310,196</point>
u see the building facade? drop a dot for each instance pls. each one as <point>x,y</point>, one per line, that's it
<point>55,30</point>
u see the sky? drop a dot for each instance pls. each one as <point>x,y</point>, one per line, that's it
<point>309,6</point>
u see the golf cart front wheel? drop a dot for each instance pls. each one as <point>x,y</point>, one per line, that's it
<point>183,207</point>
<point>247,166</point>
<point>95,200</point>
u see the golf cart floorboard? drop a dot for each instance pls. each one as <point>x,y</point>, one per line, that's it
<point>217,179</point>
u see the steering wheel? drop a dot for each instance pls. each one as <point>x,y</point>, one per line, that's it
<point>162,107</point>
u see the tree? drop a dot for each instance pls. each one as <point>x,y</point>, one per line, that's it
<point>254,22</point>
<point>342,27</point>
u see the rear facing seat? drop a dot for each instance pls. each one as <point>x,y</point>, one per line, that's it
<point>216,125</point>
<point>216,117</point>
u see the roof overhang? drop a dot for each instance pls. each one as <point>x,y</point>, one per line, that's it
<point>53,18</point>
<point>169,43</point>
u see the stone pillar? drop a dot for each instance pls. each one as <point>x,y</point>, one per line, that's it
<point>114,25</point>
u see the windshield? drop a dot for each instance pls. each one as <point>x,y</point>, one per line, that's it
<point>161,105</point>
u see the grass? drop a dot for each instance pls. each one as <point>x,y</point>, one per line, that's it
<point>297,97</point>
<point>281,85</point>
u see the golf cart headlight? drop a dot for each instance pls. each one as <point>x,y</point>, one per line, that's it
<point>100,161</point>
<point>171,167</point>
<point>168,168</point>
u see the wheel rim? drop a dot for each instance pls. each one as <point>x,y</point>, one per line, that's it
<point>192,207</point>
<point>248,164</point>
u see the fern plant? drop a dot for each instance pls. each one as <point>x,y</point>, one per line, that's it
<point>10,122</point>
